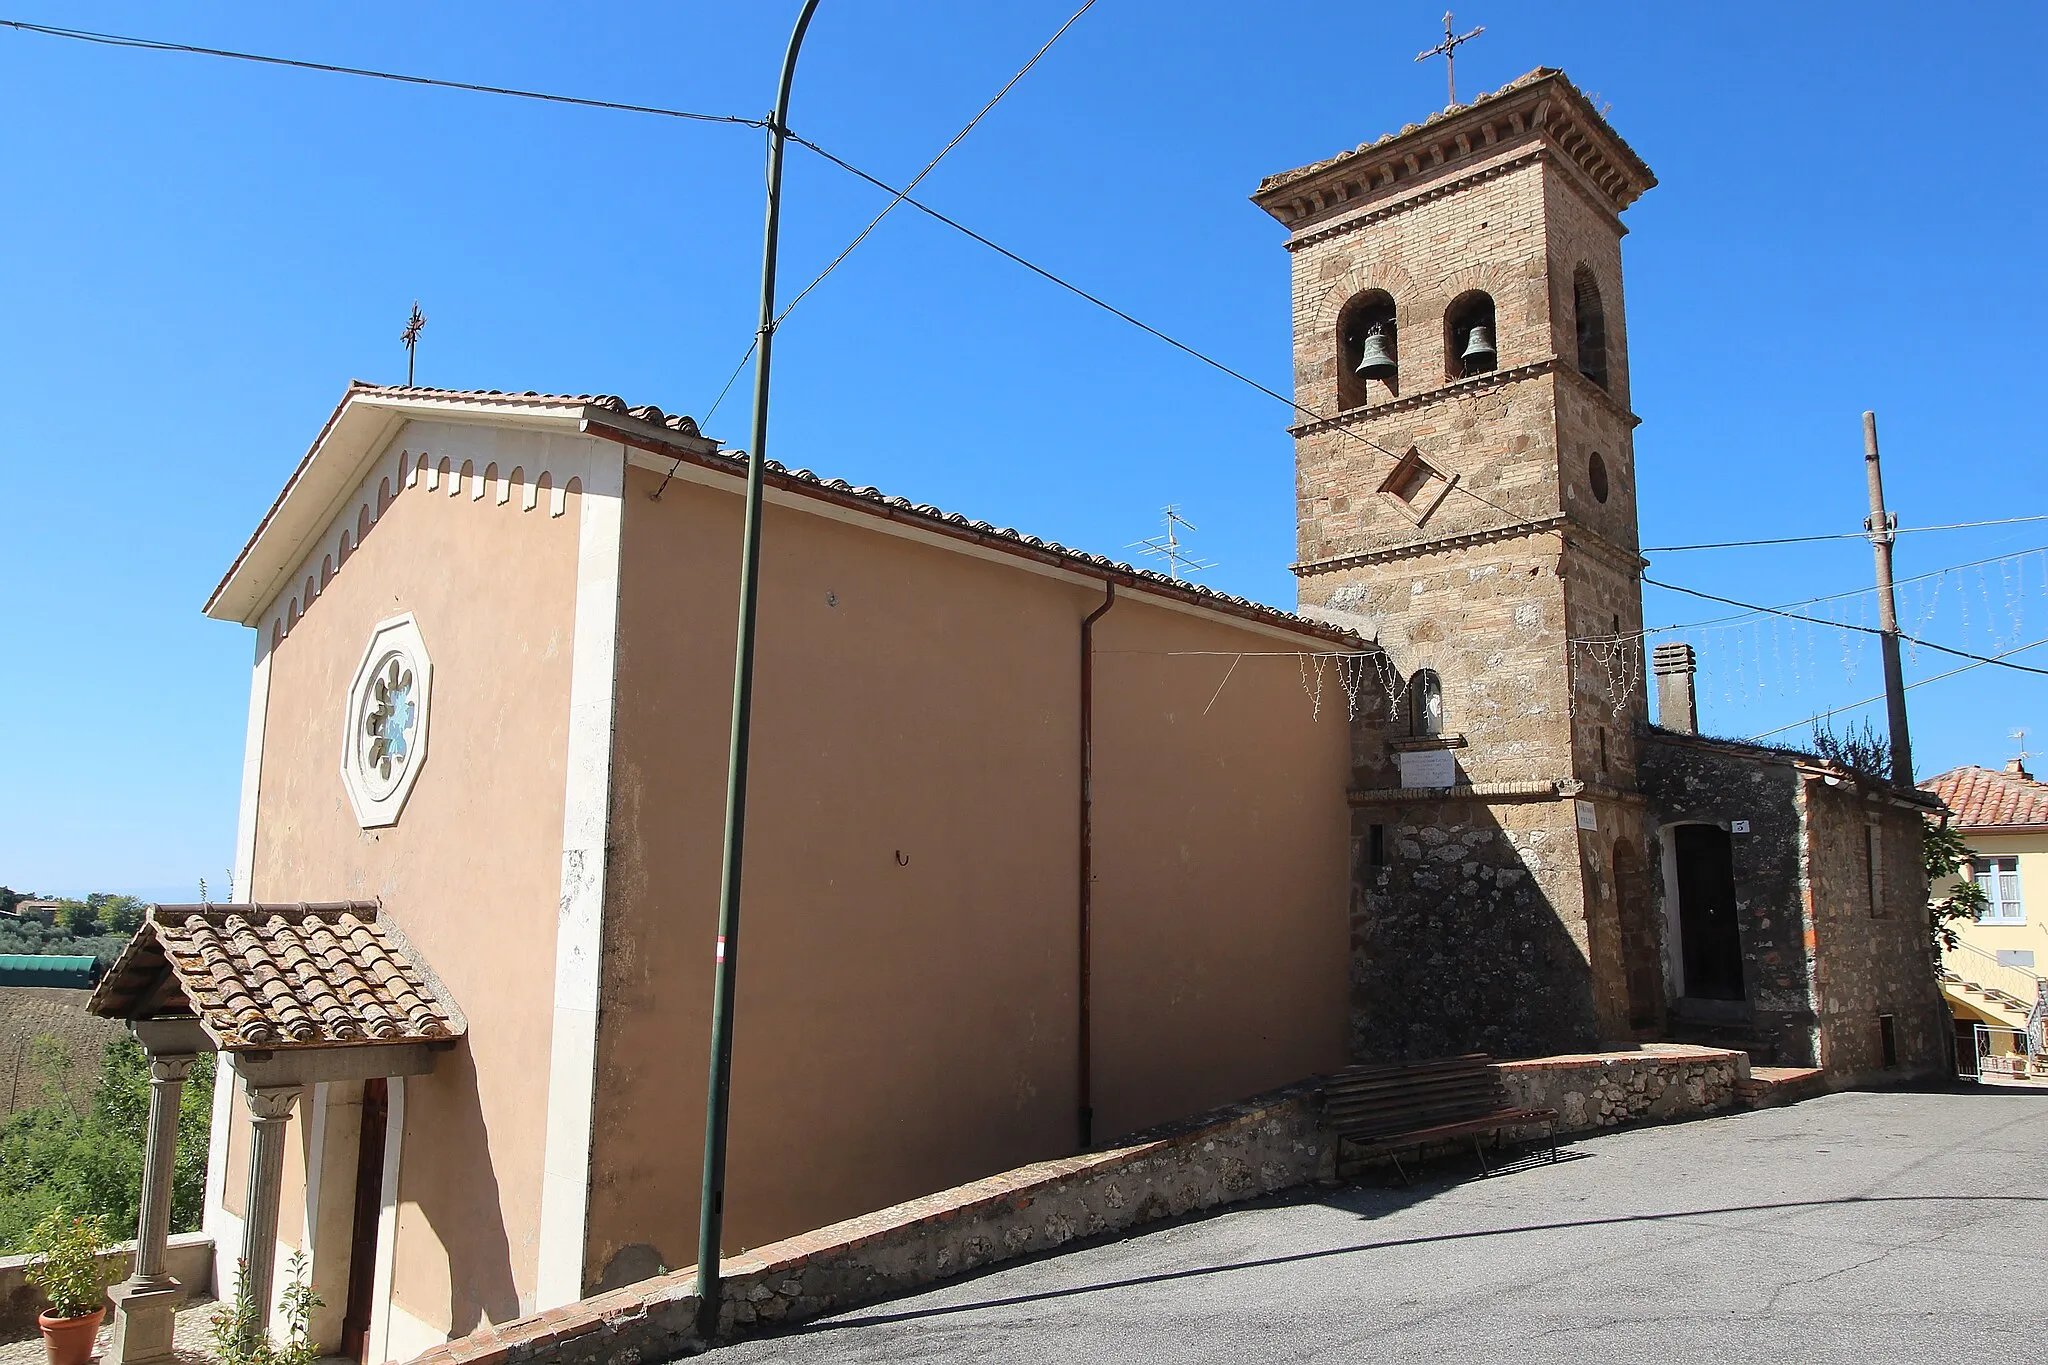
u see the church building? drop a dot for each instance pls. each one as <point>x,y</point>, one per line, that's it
<point>1032,863</point>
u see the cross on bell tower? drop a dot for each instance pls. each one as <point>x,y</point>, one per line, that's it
<point>1448,50</point>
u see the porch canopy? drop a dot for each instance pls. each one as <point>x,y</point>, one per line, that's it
<point>295,995</point>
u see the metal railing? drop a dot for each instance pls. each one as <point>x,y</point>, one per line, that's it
<point>1971,964</point>
<point>2021,1063</point>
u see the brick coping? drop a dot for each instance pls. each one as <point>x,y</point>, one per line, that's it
<point>1648,1052</point>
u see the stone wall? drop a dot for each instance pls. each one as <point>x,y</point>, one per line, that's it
<point>1827,950</point>
<point>1691,780</point>
<point>1874,955</point>
<point>188,1258</point>
<point>1660,1082</point>
<point>1258,1147</point>
<point>1468,937</point>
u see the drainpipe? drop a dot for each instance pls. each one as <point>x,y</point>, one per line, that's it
<point>1085,1040</point>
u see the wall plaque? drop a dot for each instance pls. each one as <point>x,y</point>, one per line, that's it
<point>1429,768</point>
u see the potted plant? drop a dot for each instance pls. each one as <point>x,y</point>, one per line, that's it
<point>66,1265</point>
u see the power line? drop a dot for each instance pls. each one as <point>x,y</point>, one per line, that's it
<point>1866,630</point>
<point>1110,308</point>
<point>153,45</point>
<point>876,222</point>
<point>1918,682</point>
<point>1838,596</point>
<point>932,165</point>
<point>899,196</point>
<point>1839,535</point>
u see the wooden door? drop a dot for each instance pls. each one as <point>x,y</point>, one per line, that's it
<point>1706,913</point>
<point>362,1249</point>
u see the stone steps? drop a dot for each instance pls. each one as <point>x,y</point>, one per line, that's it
<point>1770,1086</point>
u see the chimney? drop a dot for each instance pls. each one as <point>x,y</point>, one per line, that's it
<point>2017,767</point>
<point>1676,708</point>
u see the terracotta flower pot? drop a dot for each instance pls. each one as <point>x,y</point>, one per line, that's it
<point>69,1341</point>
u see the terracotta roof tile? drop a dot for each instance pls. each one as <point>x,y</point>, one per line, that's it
<point>873,500</point>
<point>1983,799</point>
<point>272,977</point>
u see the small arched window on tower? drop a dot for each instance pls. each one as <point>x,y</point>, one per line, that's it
<point>1367,349</point>
<point>1592,325</point>
<point>1469,346</point>
<point>1425,704</point>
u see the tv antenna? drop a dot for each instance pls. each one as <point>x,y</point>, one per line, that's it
<point>414,325</point>
<point>1168,546</point>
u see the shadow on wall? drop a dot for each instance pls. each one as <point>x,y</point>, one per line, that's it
<point>458,1192</point>
<point>1456,943</point>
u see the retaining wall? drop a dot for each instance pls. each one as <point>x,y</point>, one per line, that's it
<point>1263,1145</point>
<point>189,1258</point>
<point>1656,1082</point>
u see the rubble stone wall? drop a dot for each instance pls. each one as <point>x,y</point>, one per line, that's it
<point>1661,1082</point>
<point>1258,1147</point>
<point>1874,957</point>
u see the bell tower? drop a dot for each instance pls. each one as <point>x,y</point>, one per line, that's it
<point>1465,485</point>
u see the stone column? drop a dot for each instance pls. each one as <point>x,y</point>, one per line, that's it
<point>270,1110</point>
<point>145,1304</point>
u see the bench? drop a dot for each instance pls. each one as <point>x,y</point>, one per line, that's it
<point>1385,1110</point>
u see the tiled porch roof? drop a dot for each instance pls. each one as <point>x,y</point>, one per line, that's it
<point>274,977</point>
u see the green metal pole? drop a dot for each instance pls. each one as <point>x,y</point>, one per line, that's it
<point>711,1208</point>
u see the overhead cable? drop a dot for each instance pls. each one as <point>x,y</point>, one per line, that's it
<point>1917,682</point>
<point>1839,535</point>
<point>1311,414</point>
<point>1852,592</point>
<point>1866,630</point>
<point>931,165</point>
<point>153,45</point>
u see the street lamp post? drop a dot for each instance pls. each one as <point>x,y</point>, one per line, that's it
<point>711,1208</point>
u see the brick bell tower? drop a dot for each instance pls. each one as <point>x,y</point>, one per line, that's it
<point>1466,494</point>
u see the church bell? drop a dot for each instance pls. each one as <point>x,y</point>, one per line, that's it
<point>1374,360</point>
<point>1479,355</point>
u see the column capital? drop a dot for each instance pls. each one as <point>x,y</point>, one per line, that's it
<point>270,1102</point>
<point>172,1066</point>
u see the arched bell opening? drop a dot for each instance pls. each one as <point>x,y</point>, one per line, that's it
<point>1469,337</point>
<point>1591,319</point>
<point>1368,348</point>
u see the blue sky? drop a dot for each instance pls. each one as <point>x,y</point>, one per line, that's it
<point>199,255</point>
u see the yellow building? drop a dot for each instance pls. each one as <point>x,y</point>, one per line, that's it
<point>1993,979</point>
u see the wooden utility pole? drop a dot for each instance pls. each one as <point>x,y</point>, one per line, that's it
<point>1883,527</point>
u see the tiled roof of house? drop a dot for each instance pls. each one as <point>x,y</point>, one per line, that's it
<point>650,428</point>
<point>1983,799</point>
<point>271,977</point>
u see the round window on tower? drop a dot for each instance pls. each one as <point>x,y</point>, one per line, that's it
<point>1596,475</point>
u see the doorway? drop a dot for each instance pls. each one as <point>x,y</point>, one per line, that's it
<point>1708,934</point>
<point>1966,1048</point>
<point>362,1245</point>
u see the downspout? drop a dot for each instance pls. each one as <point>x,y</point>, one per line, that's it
<point>1084,1032</point>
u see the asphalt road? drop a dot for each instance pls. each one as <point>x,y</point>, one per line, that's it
<point>1859,1228</point>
